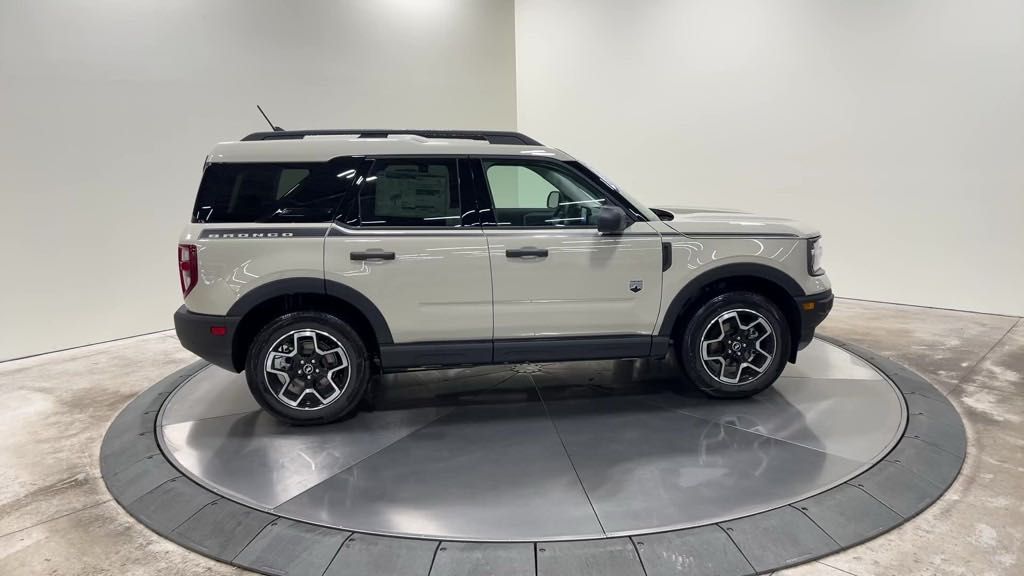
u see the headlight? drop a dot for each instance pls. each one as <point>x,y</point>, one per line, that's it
<point>814,254</point>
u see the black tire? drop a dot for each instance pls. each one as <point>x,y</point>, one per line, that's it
<point>323,331</point>
<point>737,347</point>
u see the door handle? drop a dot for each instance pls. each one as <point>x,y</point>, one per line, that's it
<point>527,252</point>
<point>372,255</point>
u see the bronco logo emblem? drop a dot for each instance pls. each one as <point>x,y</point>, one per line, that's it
<point>636,286</point>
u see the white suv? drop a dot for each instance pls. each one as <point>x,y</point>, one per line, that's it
<point>317,259</point>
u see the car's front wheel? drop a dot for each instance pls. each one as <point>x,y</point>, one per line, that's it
<point>735,345</point>
<point>307,368</point>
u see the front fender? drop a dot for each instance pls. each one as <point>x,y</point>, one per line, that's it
<point>693,287</point>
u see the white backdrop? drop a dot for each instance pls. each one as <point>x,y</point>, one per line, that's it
<point>895,126</point>
<point>108,108</point>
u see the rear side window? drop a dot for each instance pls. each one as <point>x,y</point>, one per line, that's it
<point>410,192</point>
<point>272,192</point>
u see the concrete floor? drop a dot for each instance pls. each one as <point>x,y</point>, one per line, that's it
<point>56,517</point>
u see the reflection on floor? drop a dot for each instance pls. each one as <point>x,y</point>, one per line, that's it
<point>541,452</point>
<point>56,517</point>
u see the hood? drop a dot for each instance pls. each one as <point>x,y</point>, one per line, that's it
<point>715,221</point>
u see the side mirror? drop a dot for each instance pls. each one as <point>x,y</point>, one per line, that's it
<point>554,197</point>
<point>611,220</point>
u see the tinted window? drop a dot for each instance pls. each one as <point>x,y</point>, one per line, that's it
<point>266,192</point>
<point>404,192</point>
<point>541,194</point>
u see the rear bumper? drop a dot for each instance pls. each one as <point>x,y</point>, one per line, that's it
<point>813,310</point>
<point>196,335</point>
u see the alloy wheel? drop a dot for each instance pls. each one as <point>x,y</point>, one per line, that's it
<point>737,346</point>
<point>307,369</point>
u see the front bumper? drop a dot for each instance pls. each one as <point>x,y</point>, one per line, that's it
<point>196,332</point>
<point>813,310</point>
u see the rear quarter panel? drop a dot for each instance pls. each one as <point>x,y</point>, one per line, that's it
<point>236,258</point>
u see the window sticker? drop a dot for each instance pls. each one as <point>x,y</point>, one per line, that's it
<point>408,192</point>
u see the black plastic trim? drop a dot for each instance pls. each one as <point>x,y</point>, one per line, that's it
<point>694,287</point>
<point>290,286</point>
<point>371,255</point>
<point>660,346</point>
<point>666,256</point>
<point>526,253</point>
<point>264,292</point>
<point>810,319</point>
<point>569,349</point>
<point>257,233</point>
<point>481,352</point>
<point>339,230</point>
<point>490,136</point>
<point>662,214</point>
<point>193,332</point>
<point>365,306</point>
<point>423,354</point>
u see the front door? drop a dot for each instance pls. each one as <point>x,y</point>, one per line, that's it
<point>554,275</point>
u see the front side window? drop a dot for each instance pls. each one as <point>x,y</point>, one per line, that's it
<point>270,192</point>
<point>410,192</point>
<point>540,194</point>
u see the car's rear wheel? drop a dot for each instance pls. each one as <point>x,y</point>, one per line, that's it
<point>307,368</point>
<point>735,345</point>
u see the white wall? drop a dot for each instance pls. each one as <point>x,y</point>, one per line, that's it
<point>108,108</point>
<point>896,126</point>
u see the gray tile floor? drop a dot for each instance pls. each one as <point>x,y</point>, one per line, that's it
<point>57,518</point>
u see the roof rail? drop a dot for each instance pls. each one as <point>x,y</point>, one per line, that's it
<point>492,137</point>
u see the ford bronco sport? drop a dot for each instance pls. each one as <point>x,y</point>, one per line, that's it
<point>317,259</point>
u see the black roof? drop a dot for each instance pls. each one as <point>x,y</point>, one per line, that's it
<point>493,137</point>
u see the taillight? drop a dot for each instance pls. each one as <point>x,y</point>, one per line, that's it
<point>188,267</point>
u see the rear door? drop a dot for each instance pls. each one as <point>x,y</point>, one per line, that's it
<point>408,238</point>
<point>555,276</point>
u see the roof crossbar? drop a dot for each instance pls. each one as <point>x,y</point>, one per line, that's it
<point>492,137</point>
